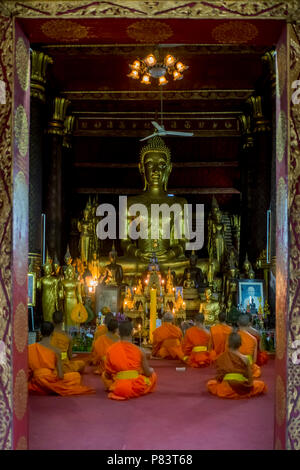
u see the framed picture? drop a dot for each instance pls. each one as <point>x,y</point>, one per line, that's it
<point>251,292</point>
<point>31,289</point>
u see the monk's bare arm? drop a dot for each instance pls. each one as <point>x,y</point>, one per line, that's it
<point>147,371</point>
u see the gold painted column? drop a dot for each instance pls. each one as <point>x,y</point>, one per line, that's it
<point>54,211</point>
<point>38,123</point>
<point>67,181</point>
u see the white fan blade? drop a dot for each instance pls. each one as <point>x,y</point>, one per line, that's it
<point>183,134</point>
<point>148,137</point>
<point>157,126</point>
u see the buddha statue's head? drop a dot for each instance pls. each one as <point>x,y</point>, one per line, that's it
<point>47,268</point>
<point>208,294</point>
<point>70,272</point>
<point>155,164</point>
<point>247,265</point>
<point>86,214</point>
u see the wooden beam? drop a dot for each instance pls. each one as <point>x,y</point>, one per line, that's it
<point>175,165</point>
<point>125,191</point>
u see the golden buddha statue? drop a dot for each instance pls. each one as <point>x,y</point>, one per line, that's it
<point>72,294</point>
<point>139,288</point>
<point>128,303</point>
<point>247,267</point>
<point>232,284</point>
<point>169,285</point>
<point>94,266</point>
<point>188,283</point>
<point>85,229</point>
<point>155,167</point>
<point>218,238</point>
<point>50,292</point>
<point>210,309</point>
<point>115,270</point>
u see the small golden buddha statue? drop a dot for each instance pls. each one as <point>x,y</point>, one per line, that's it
<point>94,266</point>
<point>85,228</point>
<point>247,267</point>
<point>128,303</point>
<point>210,308</point>
<point>195,273</point>
<point>188,283</point>
<point>155,167</point>
<point>50,292</point>
<point>115,270</point>
<point>72,294</point>
<point>139,288</point>
<point>169,284</point>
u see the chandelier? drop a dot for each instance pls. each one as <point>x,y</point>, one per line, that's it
<point>153,67</point>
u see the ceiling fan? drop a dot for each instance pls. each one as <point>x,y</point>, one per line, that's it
<point>160,129</point>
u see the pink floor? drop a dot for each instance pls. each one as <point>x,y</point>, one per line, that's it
<point>180,414</point>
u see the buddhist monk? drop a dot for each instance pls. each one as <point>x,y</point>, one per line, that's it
<point>234,374</point>
<point>101,330</point>
<point>249,344</point>
<point>195,344</point>
<point>102,344</point>
<point>219,336</point>
<point>167,339</point>
<point>262,356</point>
<point>46,374</point>
<point>62,341</point>
<point>127,373</point>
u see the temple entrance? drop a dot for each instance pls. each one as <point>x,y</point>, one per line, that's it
<point>235,107</point>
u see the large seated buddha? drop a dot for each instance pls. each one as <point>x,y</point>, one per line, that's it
<point>155,167</point>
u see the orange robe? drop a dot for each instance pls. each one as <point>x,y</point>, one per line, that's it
<point>123,372</point>
<point>167,342</point>
<point>262,356</point>
<point>248,348</point>
<point>61,340</point>
<point>43,375</point>
<point>219,337</point>
<point>101,330</point>
<point>195,347</point>
<point>102,344</point>
<point>234,386</point>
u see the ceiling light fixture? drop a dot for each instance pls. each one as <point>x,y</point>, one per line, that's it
<point>152,67</point>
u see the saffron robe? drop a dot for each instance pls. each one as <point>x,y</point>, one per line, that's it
<point>43,375</point>
<point>123,375</point>
<point>61,340</point>
<point>102,344</point>
<point>101,330</point>
<point>249,348</point>
<point>262,356</point>
<point>195,347</point>
<point>219,338</point>
<point>239,384</point>
<point>167,342</point>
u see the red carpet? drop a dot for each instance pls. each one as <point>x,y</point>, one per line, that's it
<point>180,414</point>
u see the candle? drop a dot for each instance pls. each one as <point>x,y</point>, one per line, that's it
<point>152,313</point>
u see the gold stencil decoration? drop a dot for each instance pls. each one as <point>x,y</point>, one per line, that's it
<point>280,334</point>
<point>20,394</point>
<point>294,431</point>
<point>149,31</point>
<point>22,64</point>
<point>20,327</point>
<point>22,444</point>
<point>232,32</point>
<point>281,69</point>
<point>21,130</point>
<point>280,401</point>
<point>65,30</point>
<point>20,230</point>
<point>281,135</point>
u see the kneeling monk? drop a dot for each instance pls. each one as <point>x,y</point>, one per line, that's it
<point>63,342</point>
<point>127,373</point>
<point>249,344</point>
<point>219,336</point>
<point>234,375</point>
<point>167,339</point>
<point>195,344</point>
<point>100,331</point>
<point>103,343</point>
<point>46,371</point>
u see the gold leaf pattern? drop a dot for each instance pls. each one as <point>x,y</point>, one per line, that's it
<point>232,32</point>
<point>20,327</point>
<point>21,130</point>
<point>281,136</point>
<point>149,31</point>
<point>20,394</point>
<point>280,401</point>
<point>22,64</point>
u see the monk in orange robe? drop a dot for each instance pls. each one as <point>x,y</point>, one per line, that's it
<point>101,330</point>
<point>46,374</point>
<point>234,374</point>
<point>262,356</point>
<point>167,339</point>
<point>219,336</point>
<point>249,344</point>
<point>195,344</point>
<point>103,342</point>
<point>62,341</point>
<point>127,373</point>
